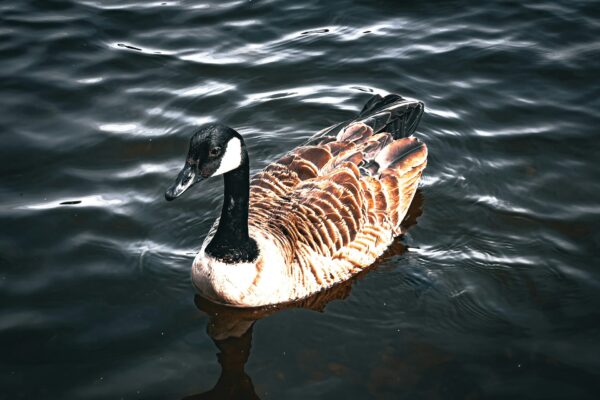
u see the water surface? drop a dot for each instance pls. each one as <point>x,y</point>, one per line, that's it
<point>493,293</point>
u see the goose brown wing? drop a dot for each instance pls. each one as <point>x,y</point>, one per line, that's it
<point>324,213</point>
<point>284,175</point>
<point>273,200</point>
<point>346,194</point>
<point>328,172</point>
<point>313,160</point>
<point>347,211</point>
<point>401,165</point>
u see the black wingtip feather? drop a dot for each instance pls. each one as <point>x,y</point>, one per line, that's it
<point>393,114</point>
<point>381,115</point>
<point>406,122</point>
<point>377,103</point>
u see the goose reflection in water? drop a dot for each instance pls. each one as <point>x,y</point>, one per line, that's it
<point>231,328</point>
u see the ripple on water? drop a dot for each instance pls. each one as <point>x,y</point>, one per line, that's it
<point>494,282</point>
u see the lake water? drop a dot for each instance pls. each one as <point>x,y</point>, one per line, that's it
<point>494,292</point>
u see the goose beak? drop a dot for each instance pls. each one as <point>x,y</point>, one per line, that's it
<point>186,178</point>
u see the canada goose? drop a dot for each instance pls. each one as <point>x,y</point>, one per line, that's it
<point>314,218</point>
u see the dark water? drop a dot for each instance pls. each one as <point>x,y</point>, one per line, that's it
<point>493,293</point>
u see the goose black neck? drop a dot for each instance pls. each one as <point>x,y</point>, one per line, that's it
<point>231,242</point>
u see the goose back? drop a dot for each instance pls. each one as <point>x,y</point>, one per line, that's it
<point>335,204</point>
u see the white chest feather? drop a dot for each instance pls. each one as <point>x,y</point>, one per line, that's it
<point>270,280</point>
<point>253,284</point>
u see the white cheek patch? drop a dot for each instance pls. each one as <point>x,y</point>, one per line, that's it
<point>232,157</point>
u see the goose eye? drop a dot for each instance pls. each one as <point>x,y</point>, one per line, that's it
<point>215,151</point>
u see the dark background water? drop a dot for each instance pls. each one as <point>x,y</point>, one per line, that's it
<point>493,293</point>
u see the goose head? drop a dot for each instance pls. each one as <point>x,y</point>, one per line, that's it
<point>214,150</point>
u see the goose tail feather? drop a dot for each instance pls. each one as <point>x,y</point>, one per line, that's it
<point>392,113</point>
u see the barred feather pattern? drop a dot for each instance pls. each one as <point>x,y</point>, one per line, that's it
<point>327,210</point>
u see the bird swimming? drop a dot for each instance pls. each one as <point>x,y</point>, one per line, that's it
<point>316,217</point>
